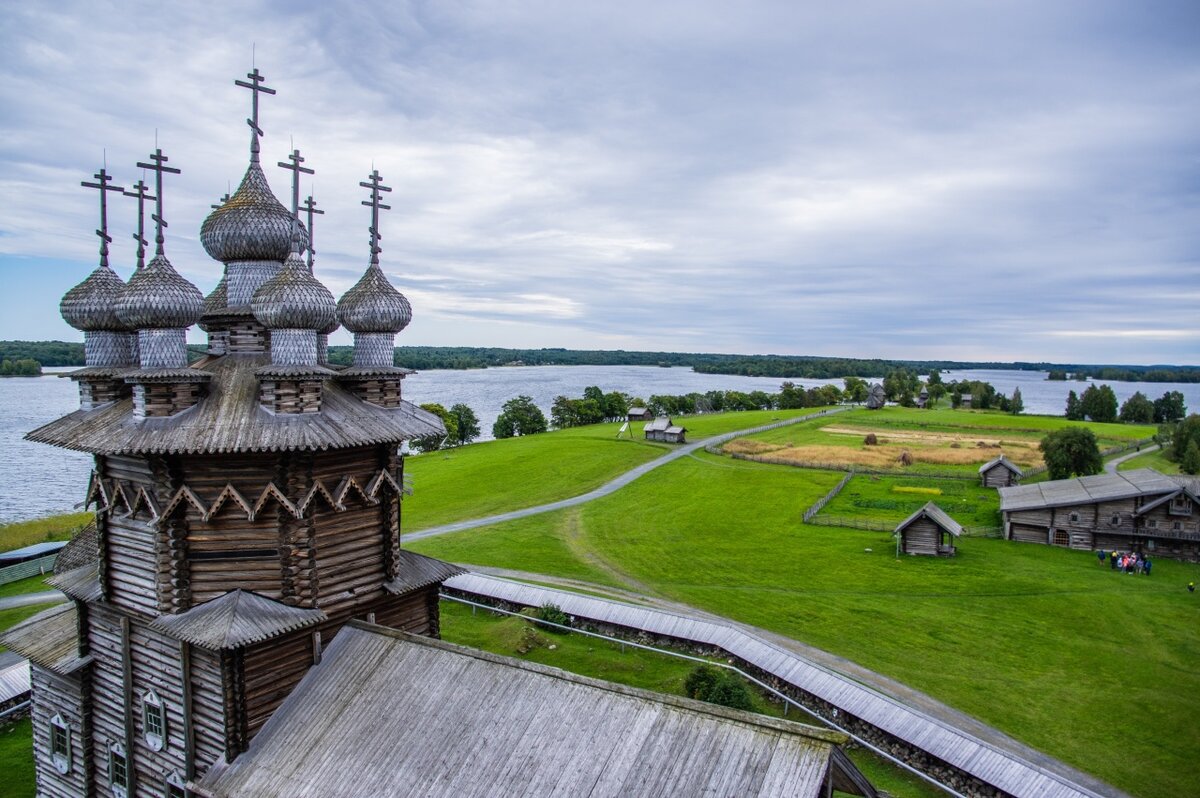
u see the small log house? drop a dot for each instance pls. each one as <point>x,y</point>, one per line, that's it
<point>639,414</point>
<point>1000,472</point>
<point>664,430</point>
<point>928,531</point>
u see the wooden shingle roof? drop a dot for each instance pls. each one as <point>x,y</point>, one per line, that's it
<point>229,418</point>
<point>1002,461</point>
<point>386,713</point>
<point>935,514</point>
<point>417,571</point>
<point>1091,489</point>
<point>50,639</point>
<point>236,619</point>
<point>81,583</point>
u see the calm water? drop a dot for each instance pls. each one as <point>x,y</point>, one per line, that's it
<point>37,480</point>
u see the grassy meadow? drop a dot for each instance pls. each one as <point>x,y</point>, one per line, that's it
<point>1096,668</point>
<point>892,499</point>
<point>1156,460</point>
<point>56,527</point>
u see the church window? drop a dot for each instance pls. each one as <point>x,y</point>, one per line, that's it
<point>154,720</point>
<point>118,770</point>
<point>60,744</point>
<point>174,787</point>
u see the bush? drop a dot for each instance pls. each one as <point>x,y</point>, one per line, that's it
<point>1070,451</point>
<point>552,613</point>
<point>706,683</point>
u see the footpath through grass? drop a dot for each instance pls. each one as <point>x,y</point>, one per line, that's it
<point>497,476</point>
<point>1093,667</point>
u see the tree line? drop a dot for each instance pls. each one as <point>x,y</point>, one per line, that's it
<point>1099,403</point>
<point>20,367</point>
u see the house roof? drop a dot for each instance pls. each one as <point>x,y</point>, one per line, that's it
<point>49,639</point>
<point>1091,489</point>
<point>81,583</point>
<point>14,681</point>
<point>676,430</point>
<point>30,552</point>
<point>1002,461</point>
<point>660,424</point>
<point>229,418</point>
<point>236,619</point>
<point>418,571</point>
<point>387,713</point>
<point>935,514</point>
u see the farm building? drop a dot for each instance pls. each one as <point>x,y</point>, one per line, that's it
<point>664,430</point>
<point>923,398</point>
<point>965,402</point>
<point>247,510</point>
<point>1129,510</point>
<point>639,414</point>
<point>928,531</point>
<point>1000,472</point>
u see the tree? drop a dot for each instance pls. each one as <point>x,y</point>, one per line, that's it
<point>433,442</point>
<point>1074,409</point>
<point>1169,407</point>
<point>936,391</point>
<point>1071,451</point>
<point>519,416</point>
<point>616,406</point>
<point>1016,405</point>
<point>1190,462</point>
<point>1187,434</point>
<point>466,424</point>
<point>856,390</point>
<point>1137,409</point>
<point>1099,403</point>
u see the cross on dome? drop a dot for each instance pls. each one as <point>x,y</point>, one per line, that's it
<point>310,208</point>
<point>104,179</point>
<point>221,202</point>
<point>159,166</point>
<point>375,184</point>
<point>255,86</point>
<point>139,191</point>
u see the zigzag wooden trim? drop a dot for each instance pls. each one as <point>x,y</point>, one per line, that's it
<point>118,493</point>
<point>185,493</point>
<point>144,499</point>
<point>346,485</point>
<point>319,489</point>
<point>384,477</point>
<point>271,491</point>
<point>227,493</point>
<point>96,488</point>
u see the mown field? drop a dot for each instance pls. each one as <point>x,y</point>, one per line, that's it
<point>937,441</point>
<point>892,499</point>
<point>1156,460</point>
<point>1095,668</point>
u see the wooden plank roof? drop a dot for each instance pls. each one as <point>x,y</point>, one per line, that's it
<point>1090,489</point>
<point>14,681</point>
<point>935,514</point>
<point>1004,769</point>
<point>387,713</point>
<point>81,583</point>
<point>49,639</point>
<point>417,571</point>
<point>229,418</point>
<point>1001,461</point>
<point>236,619</point>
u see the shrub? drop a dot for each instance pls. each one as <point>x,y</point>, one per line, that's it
<point>706,683</point>
<point>552,613</point>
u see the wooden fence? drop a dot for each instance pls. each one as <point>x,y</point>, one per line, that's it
<point>827,498</point>
<point>874,525</point>
<point>24,570</point>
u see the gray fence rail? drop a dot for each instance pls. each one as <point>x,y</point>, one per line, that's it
<point>873,525</point>
<point>24,570</point>
<point>827,498</point>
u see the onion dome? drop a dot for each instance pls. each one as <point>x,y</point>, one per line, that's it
<point>156,297</point>
<point>216,303</point>
<point>372,305</point>
<point>293,299</point>
<point>250,225</point>
<point>330,328</point>
<point>91,306</point>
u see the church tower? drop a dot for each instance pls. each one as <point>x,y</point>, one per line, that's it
<point>248,504</point>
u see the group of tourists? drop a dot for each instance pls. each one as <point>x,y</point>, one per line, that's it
<point>1129,562</point>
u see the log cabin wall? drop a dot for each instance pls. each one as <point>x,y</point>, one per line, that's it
<point>129,543</point>
<point>921,537</point>
<point>70,698</point>
<point>998,476</point>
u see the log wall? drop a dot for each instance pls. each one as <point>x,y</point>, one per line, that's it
<point>920,537</point>
<point>70,697</point>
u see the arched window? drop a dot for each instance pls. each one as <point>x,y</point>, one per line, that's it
<point>154,720</point>
<point>118,770</point>
<point>60,744</point>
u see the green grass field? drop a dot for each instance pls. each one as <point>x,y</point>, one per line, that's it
<point>16,760</point>
<point>54,527</point>
<point>1156,460</point>
<point>1038,641</point>
<point>886,498</point>
<point>34,584</point>
<point>523,472</point>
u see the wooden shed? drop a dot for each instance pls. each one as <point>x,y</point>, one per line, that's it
<point>639,414</point>
<point>967,399</point>
<point>1000,472</point>
<point>928,531</point>
<point>664,430</point>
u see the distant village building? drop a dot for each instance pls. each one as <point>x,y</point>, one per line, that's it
<point>243,620</point>
<point>1139,510</point>
<point>664,430</point>
<point>639,414</point>
<point>923,398</point>
<point>965,403</point>
<point>928,531</point>
<point>876,397</point>
<point>1000,472</point>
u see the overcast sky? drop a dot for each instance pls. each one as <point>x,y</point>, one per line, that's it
<point>964,180</point>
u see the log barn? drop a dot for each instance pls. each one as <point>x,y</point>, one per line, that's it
<point>639,414</point>
<point>248,510</point>
<point>664,430</point>
<point>928,531</point>
<point>1139,510</point>
<point>1000,472</point>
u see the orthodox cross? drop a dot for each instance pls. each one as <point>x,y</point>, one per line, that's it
<point>376,186</point>
<point>296,169</point>
<point>159,166</point>
<point>255,86</point>
<point>221,202</point>
<point>310,208</point>
<point>139,191</point>
<point>103,185</point>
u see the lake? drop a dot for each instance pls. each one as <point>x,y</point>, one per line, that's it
<point>38,480</point>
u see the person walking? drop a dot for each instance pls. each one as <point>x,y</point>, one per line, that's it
<point>1103,555</point>
<point>1146,567</point>
<point>1112,559</point>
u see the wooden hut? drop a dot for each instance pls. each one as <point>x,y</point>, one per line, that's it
<point>664,430</point>
<point>1000,472</point>
<point>928,531</point>
<point>965,401</point>
<point>639,414</point>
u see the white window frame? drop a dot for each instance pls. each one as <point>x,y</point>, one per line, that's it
<point>120,789</point>
<point>174,782</point>
<point>61,759</point>
<point>1115,520</point>
<point>154,714</point>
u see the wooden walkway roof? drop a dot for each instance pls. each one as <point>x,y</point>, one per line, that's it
<point>387,713</point>
<point>1002,769</point>
<point>50,639</point>
<point>1092,489</point>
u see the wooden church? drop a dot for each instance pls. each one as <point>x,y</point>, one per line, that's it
<point>248,507</point>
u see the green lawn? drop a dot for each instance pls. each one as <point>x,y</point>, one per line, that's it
<point>54,527</point>
<point>1156,460</point>
<point>497,476</point>
<point>34,584</point>
<point>1038,641</point>
<point>16,760</point>
<point>887,498</point>
<point>600,659</point>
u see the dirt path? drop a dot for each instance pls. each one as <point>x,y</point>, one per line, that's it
<point>571,532</point>
<point>1111,465</point>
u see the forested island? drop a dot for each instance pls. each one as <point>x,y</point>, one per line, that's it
<point>61,353</point>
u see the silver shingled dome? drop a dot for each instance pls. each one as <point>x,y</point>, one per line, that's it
<point>372,305</point>
<point>91,306</point>
<point>156,297</point>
